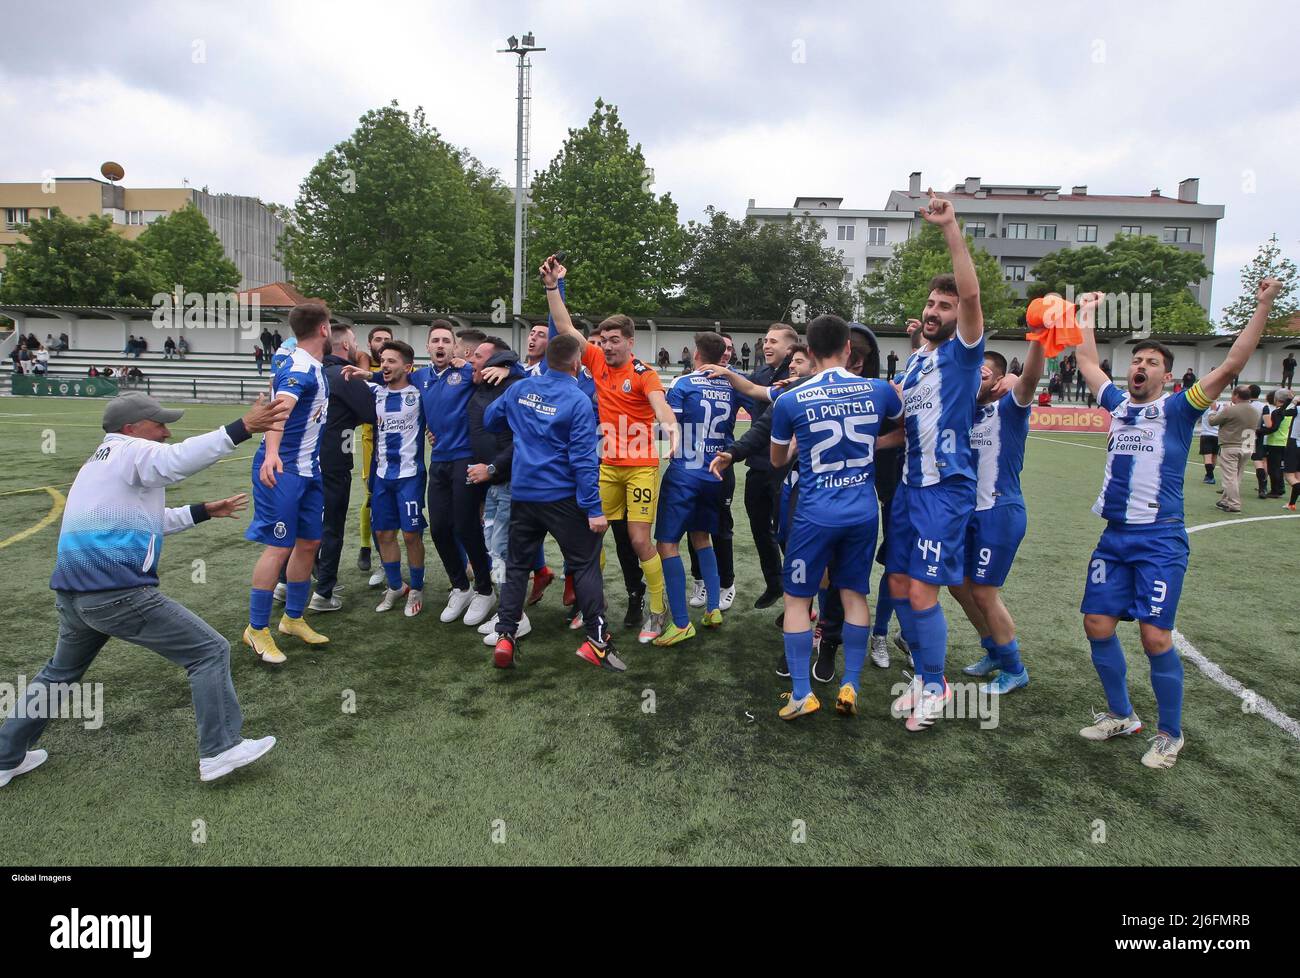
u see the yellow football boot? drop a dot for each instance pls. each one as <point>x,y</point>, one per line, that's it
<point>300,628</point>
<point>713,619</point>
<point>797,708</point>
<point>672,635</point>
<point>846,704</point>
<point>263,645</point>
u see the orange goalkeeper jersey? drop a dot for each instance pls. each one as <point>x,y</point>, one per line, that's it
<point>626,416</point>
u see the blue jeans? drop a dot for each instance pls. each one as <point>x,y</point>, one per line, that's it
<point>496,521</point>
<point>142,616</point>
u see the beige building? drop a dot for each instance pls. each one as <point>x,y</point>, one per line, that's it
<point>248,230</point>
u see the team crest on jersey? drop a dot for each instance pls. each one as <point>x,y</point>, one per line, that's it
<point>987,412</point>
<point>410,399</point>
<point>627,386</point>
<point>454,378</point>
<point>929,365</point>
<point>1151,412</point>
<point>280,530</point>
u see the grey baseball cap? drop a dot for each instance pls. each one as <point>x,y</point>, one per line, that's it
<point>129,408</point>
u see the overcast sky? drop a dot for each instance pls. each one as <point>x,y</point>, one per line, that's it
<point>729,100</point>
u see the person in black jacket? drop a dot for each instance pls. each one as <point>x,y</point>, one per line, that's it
<point>492,451</point>
<point>762,485</point>
<point>350,404</point>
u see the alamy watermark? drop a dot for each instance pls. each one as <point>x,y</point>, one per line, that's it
<point>54,701</point>
<point>180,309</point>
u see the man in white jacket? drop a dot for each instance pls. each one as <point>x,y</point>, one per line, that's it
<point>106,578</point>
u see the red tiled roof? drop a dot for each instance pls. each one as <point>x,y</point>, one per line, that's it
<point>276,294</point>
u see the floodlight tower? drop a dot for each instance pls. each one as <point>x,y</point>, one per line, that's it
<point>522,48</point>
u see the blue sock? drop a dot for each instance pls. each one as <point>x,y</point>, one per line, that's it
<point>417,578</point>
<point>907,625</point>
<point>884,611</point>
<point>295,597</point>
<point>989,646</point>
<point>259,607</point>
<point>932,630</point>
<point>1009,657</point>
<point>393,574</point>
<point>712,583</point>
<point>1167,683</point>
<point>798,656</point>
<point>855,651</point>
<point>1108,659</point>
<point>675,587</point>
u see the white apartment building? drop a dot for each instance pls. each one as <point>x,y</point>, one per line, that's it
<point>1016,223</point>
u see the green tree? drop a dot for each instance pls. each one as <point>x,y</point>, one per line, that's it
<point>744,269</point>
<point>1269,262</point>
<point>76,263</point>
<point>897,289</point>
<point>395,218</point>
<point>1130,264</point>
<point>596,202</point>
<point>186,252</point>
<point>1181,314</point>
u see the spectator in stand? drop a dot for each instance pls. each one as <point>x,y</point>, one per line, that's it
<point>268,347</point>
<point>141,346</point>
<point>32,341</point>
<point>1189,378</point>
<point>1105,367</point>
<point>258,356</point>
<point>1054,386</point>
<point>1178,387</point>
<point>134,376</point>
<point>182,347</point>
<point>1044,399</point>
<point>41,361</point>
<point>25,360</point>
<point>130,346</point>
<point>14,354</point>
<point>276,341</point>
<point>64,343</point>
<point>169,349</point>
<point>664,359</point>
<point>1235,424</point>
<point>745,354</point>
<point>687,361</point>
<point>1288,370</point>
<point>106,372</point>
<point>49,341</point>
<point>92,371</point>
<point>1015,367</point>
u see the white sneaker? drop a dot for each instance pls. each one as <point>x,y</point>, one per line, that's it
<point>280,593</point>
<point>332,603</point>
<point>575,622</point>
<point>376,579</point>
<point>525,626</point>
<point>33,760</point>
<point>880,651</point>
<point>1104,726</point>
<point>929,708</point>
<point>905,704</point>
<point>457,602</point>
<point>1163,751</point>
<point>414,602</point>
<point>244,752</point>
<point>480,607</point>
<point>699,594</point>
<point>391,597</point>
<point>727,599</point>
<point>489,627</point>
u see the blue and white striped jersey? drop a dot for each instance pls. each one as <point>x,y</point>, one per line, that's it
<point>835,416</point>
<point>998,439</point>
<point>706,414</point>
<point>940,389</point>
<point>1146,455</point>
<point>300,377</point>
<point>399,432</point>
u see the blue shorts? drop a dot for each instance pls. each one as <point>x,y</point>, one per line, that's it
<point>1137,573</point>
<point>812,548</point>
<point>398,504</point>
<point>992,539</point>
<point>293,510</point>
<point>688,505</point>
<point>927,531</point>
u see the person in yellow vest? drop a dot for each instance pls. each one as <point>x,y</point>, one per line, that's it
<point>369,360</point>
<point>1277,431</point>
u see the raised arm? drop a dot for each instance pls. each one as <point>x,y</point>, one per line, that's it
<point>157,464</point>
<point>1086,352</point>
<point>1244,345</point>
<point>1030,374</point>
<point>970,316</point>
<point>553,273</point>
<point>743,385</point>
